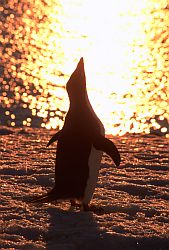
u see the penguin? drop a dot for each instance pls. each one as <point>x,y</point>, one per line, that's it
<point>80,146</point>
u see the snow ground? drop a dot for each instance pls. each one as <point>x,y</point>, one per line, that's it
<point>132,199</point>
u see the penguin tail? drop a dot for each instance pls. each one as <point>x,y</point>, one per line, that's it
<point>48,197</point>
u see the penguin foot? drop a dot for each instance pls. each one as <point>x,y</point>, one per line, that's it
<point>74,205</point>
<point>82,206</point>
<point>92,208</point>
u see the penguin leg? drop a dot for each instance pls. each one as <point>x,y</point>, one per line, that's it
<point>83,207</point>
<point>54,138</point>
<point>73,203</point>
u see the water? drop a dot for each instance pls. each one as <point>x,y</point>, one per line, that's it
<point>125,46</point>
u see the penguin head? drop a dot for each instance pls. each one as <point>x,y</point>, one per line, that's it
<point>76,85</point>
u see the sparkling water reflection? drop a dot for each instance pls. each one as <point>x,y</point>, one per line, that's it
<point>126,50</point>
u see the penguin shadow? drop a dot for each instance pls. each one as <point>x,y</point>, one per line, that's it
<point>71,230</point>
<point>76,230</point>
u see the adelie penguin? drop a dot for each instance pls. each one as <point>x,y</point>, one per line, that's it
<point>80,147</point>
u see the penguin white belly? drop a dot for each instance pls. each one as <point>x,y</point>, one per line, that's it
<point>94,167</point>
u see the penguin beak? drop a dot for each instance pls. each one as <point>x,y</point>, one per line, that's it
<point>81,63</point>
<point>77,81</point>
<point>80,67</point>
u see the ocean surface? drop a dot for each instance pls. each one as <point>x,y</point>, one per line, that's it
<point>125,46</point>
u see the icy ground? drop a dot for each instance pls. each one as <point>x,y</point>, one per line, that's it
<point>132,200</point>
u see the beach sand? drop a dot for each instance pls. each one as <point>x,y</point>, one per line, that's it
<point>132,200</point>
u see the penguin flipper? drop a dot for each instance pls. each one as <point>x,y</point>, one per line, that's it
<point>107,146</point>
<point>54,138</point>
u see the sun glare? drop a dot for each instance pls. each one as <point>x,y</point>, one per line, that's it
<point>119,57</point>
<point>125,46</point>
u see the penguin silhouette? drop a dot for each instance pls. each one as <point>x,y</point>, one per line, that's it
<point>80,147</point>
